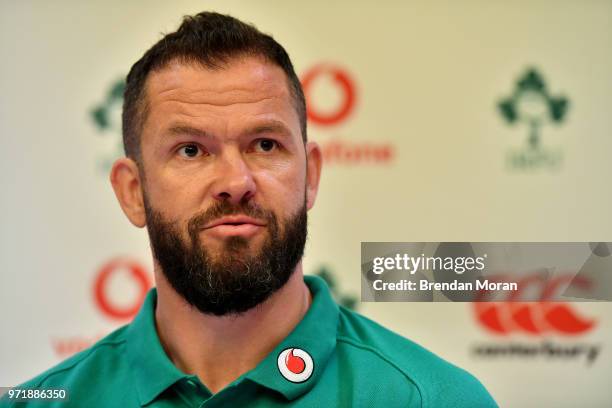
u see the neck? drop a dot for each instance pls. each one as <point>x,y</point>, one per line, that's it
<point>206,345</point>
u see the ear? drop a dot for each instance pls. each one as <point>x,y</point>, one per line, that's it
<point>314,161</point>
<point>126,182</point>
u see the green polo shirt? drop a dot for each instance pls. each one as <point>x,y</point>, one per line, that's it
<point>356,363</point>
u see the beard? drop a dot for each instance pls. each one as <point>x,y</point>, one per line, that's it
<point>238,278</point>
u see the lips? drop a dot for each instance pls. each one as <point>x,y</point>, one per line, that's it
<point>234,221</point>
<point>234,226</point>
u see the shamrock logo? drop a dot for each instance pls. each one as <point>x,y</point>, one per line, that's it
<point>346,300</point>
<point>102,113</point>
<point>531,103</point>
<point>106,116</point>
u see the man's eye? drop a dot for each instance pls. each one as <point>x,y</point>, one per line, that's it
<point>265,145</point>
<point>190,151</point>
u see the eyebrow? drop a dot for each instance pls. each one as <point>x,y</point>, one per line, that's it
<point>180,130</point>
<point>269,126</point>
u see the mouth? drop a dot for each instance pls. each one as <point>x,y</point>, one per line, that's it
<point>234,226</point>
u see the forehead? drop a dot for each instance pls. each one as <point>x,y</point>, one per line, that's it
<point>242,84</point>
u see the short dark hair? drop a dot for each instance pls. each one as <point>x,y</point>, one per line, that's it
<point>211,40</point>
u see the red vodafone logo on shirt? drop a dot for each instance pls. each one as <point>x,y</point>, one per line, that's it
<point>295,364</point>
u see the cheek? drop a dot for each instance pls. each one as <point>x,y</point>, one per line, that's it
<point>284,191</point>
<point>176,200</point>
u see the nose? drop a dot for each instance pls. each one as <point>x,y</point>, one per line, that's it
<point>234,181</point>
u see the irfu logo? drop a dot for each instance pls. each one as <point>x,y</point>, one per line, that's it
<point>531,104</point>
<point>106,116</point>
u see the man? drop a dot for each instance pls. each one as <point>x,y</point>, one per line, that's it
<point>220,171</point>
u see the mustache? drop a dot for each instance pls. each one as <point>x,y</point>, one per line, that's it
<point>225,208</point>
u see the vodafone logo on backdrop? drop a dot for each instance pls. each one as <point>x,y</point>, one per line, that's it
<point>536,318</point>
<point>295,364</point>
<point>318,82</point>
<point>344,84</point>
<point>117,305</point>
<point>103,297</point>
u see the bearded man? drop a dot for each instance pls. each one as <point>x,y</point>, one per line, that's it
<point>219,170</point>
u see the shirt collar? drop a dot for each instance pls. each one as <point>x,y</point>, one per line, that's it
<point>154,372</point>
<point>315,334</point>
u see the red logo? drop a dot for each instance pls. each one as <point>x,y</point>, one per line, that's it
<point>344,84</point>
<point>341,150</point>
<point>535,318</point>
<point>101,292</point>
<point>295,364</point>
